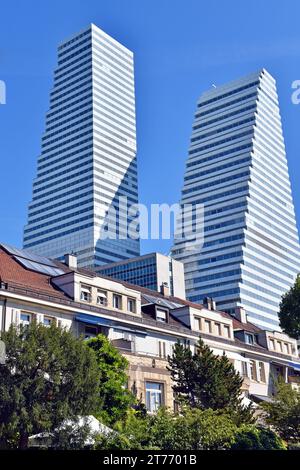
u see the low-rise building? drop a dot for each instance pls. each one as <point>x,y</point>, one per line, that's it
<point>143,324</point>
<point>153,270</point>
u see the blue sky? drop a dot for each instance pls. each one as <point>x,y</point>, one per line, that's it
<point>181,48</point>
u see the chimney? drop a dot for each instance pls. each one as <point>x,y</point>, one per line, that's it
<point>240,314</point>
<point>71,260</point>
<point>209,303</point>
<point>164,289</point>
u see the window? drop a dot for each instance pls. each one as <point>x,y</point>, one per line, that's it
<point>198,323</point>
<point>244,369</point>
<point>154,396</point>
<point>207,326</point>
<point>25,318</point>
<point>161,315</point>
<point>162,349</point>
<point>253,374</point>
<point>101,297</point>
<point>90,332</point>
<point>48,320</point>
<point>227,331</point>
<point>131,305</point>
<point>286,348</point>
<point>117,301</point>
<point>249,339</point>
<point>218,328</point>
<point>279,344</point>
<point>262,375</point>
<point>272,344</point>
<point>85,293</point>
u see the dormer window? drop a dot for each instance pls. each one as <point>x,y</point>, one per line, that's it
<point>249,338</point>
<point>85,294</point>
<point>161,315</point>
<point>131,305</point>
<point>207,326</point>
<point>117,301</point>
<point>227,331</point>
<point>101,297</point>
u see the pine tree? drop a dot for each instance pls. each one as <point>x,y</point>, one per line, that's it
<point>289,313</point>
<point>49,376</point>
<point>204,380</point>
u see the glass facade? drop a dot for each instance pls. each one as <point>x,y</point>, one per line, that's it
<point>237,168</point>
<point>88,154</point>
<point>141,272</point>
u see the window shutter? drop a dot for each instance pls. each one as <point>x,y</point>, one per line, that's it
<point>16,317</point>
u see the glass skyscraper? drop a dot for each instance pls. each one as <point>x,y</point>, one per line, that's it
<point>237,168</point>
<point>88,156</point>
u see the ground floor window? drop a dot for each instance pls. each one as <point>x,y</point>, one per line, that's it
<point>154,396</point>
<point>90,332</point>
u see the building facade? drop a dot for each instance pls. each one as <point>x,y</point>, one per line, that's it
<point>144,325</point>
<point>237,168</point>
<point>88,157</point>
<point>154,271</point>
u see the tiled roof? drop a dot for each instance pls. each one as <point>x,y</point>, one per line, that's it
<point>13,272</point>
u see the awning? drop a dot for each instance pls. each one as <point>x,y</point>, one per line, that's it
<point>130,330</point>
<point>101,294</point>
<point>93,319</point>
<point>262,398</point>
<point>294,365</point>
<point>230,354</point>
<point>85,289</point>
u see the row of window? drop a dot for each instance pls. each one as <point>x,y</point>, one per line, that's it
<point>218,168</point>
<point>221,142</point>
<point>223,129</point>
<point>213,327</point>
<point>86,295</point>
<point>200,161</point>
<point>225,116</point>
<point>226,105</point>
<point>216,182</point>
<point>229,93</point>
<point>279,346</point>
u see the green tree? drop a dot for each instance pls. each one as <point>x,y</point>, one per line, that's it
<point>289,310</point>
<point>257,438</point>
<point>283,413</point>
<point>114,398</point>
<point>204,380</point>
<point>193,429</point>
<point>49,376</point>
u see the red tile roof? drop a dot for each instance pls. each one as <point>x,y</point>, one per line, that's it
<point>12,272</point>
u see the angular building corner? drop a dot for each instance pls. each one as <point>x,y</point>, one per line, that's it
<point>237,168</point>
<point>88,156</point>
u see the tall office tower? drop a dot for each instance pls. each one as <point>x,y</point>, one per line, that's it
<point>88,157</point>
<point>237,168</point>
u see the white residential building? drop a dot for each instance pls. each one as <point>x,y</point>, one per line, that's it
<point>144,325</point>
